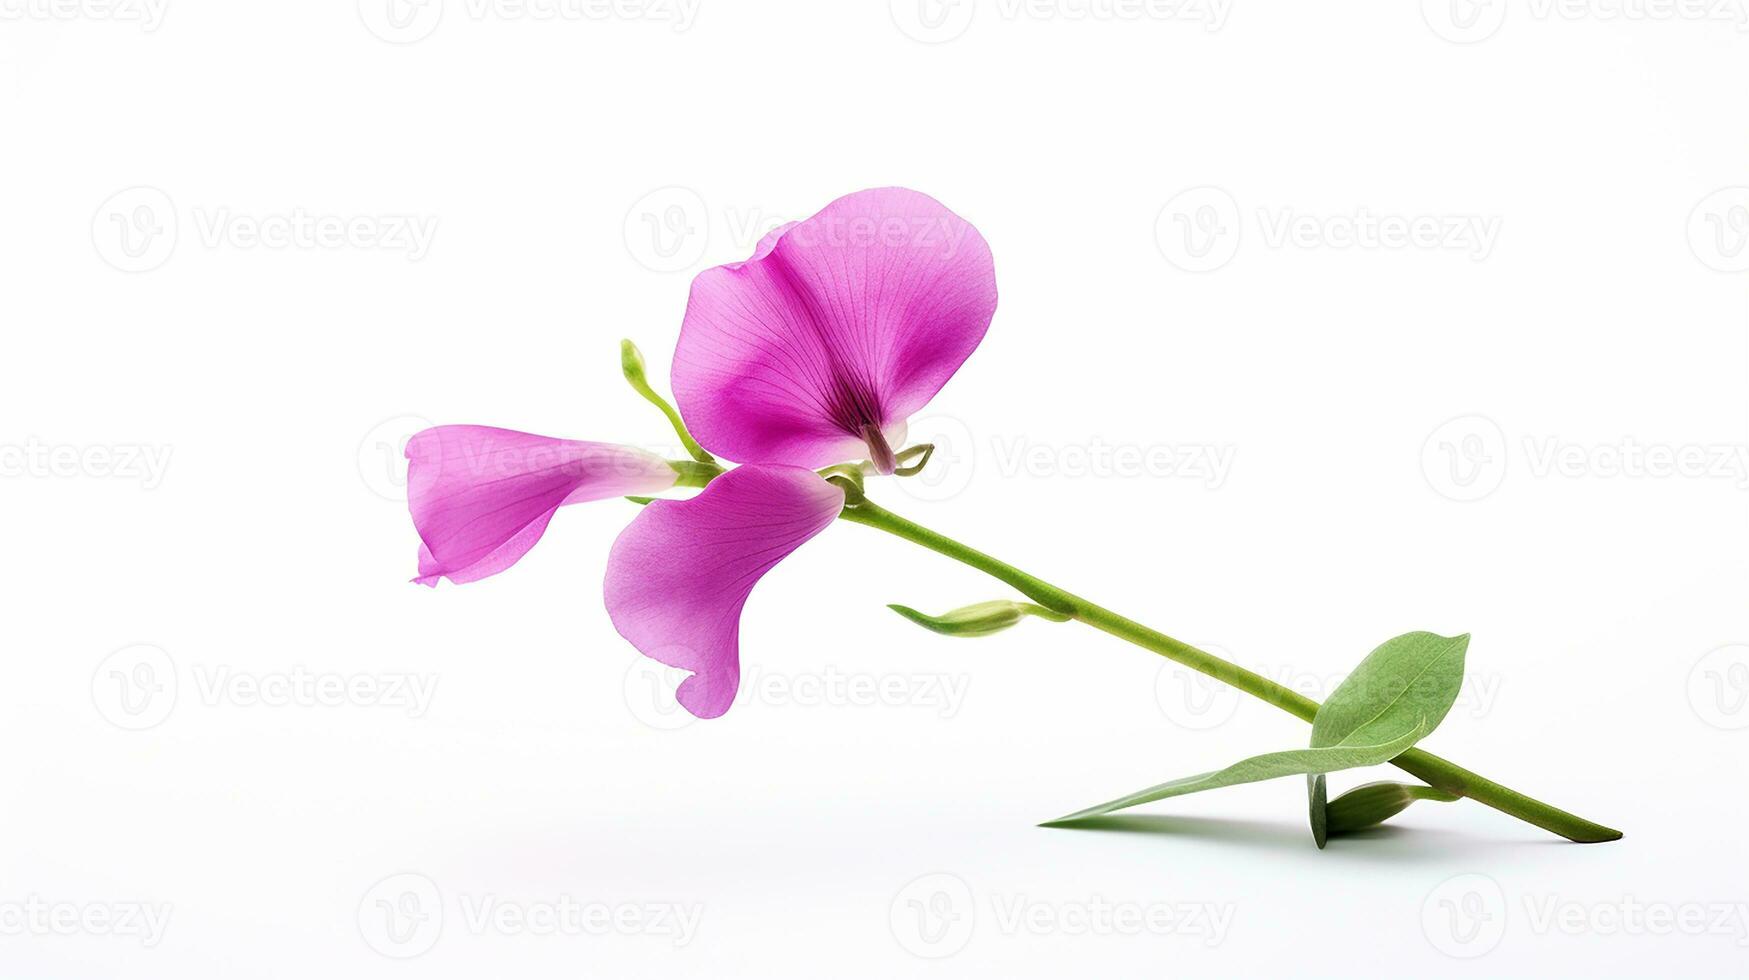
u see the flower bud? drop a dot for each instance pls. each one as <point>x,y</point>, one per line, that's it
<point>980,619</point>
<point>1374,803</point>
<point>631,364</point>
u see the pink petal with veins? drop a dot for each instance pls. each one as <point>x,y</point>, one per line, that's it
<point>481,497</point>
<point>679,575</point>
<point>817,348</point>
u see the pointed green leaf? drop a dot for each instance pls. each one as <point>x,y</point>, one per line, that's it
<point>1374,803</point>
<point>1416,675</point>
<point>1293,762</point>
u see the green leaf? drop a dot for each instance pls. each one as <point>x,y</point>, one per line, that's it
<point>980,619</point>
<point>1319,792</point>
<point>1293,762</point>
<point>1416,675</point>
<point>1374,803</point>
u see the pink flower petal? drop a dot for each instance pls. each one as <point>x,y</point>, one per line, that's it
<point>679,575</point>
<point>817,349</point>
<point>481,497</point>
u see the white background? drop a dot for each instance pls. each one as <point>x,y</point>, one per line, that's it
<point>571,174</point>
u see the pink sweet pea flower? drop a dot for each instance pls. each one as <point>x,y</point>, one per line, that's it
<point>814,351</point>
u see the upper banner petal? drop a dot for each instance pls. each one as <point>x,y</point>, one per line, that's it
<point>820,345</point>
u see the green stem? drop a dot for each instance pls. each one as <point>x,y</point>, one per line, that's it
<point>1432,769</point>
